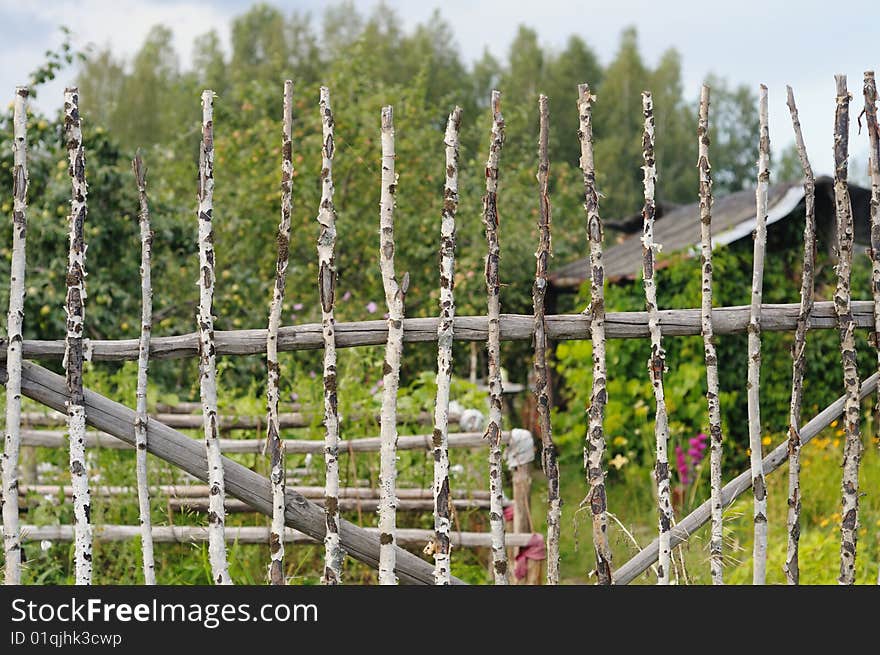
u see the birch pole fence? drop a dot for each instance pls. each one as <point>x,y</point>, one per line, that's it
<point>12,441</point>
<point>74,349</point>
<point>140,426</point>
<point>207,351</point>
<point>799,351</point>
<point>273,369</point>
<point>333,554</point>
<point>394,298</point>
<point>716,539</point>
<point>759,488</point>
<point>657,360</point>
<point>594,451</point>
<point>493,292</point>
<point>445,335</point>
<point>542,378</point>
<point>852,449</point>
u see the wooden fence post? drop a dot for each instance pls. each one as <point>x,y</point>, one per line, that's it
<point>207,351</point>
<point>273,369</point>
<point>140,426</point>
<point>799,352</point>
<point>594,452</point>
<point>445,335</point>
<point>74,348</point>
<point>852,449</point>
<point>493,289</point>
<point>9,463</point>
<point>754,366</point>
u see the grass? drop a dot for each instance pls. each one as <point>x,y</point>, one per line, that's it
<point>631,500</point>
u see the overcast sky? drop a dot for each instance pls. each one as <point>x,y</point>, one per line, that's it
<point>775,42</point>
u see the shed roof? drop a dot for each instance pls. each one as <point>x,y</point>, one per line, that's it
<point>733,218</point>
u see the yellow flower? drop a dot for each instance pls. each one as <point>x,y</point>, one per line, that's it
<point>619,461</point>
<point>836,443</point>
<point>823,523</point>
<point>620,441</point>
<point>766,440</point>
<point>834,423</point>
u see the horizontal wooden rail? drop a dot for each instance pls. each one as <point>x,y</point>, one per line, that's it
<point>226,422</point>
<point>201,490</point>
<point>58,439</point>
<point>736,487</point>
<point>514,327</point>
<point>254,535</point>
<point>343,505</point>
<point>189,455</point>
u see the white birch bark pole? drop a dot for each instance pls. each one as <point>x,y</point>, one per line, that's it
<point>273,371</point>
<point>442,518</point>
<point>140,426</point>
<point>657,361</point>
<point>716,539</point>
<point>493,291</point>
<point>333,553</point>
<point>207,353</point>
<point>852,449</point>
<point>594,451</point>
<point>542,387</point>
<point>870,93</point>
<point>394,296</point>
<point>12,443</point>
<point>799,351</point>
<point>73,351</point>
<point>759,488</point>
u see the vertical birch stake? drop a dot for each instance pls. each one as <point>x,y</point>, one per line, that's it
<point>333,554</point>
<point>73,350</point>
<point>442,519</point>
<point>594,450</point>
<point>799,351</point>
<point>493,290</point>
<point>852,450</point>
<point>11,535</point>
<point>273,371</point>
<point>542,393</point>
<point>207,357</point>
<point>870,93</point>
<point>657,361</point>
<point>140,424</point>
<point>759,489</point>
<point>712,386</point>
<point>394,296</point>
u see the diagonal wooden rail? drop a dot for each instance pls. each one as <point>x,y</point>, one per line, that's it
<point>736,487</point>
<point>188,454</point>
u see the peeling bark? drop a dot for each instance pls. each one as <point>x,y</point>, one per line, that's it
<point>333,553</point>
<point>657,360</point>
<point>12,444</point>
<point>140,425</point>
<point>799,351</point>
<point>594,451</point>
<point>542,388</point>
<point>73,352</point>
<point>759,571</point>
<point>273,370</point>
<point>442,518</point>
<point>493,291</point>
<point>852,450</point>
<point>394,297</point>
<point>207,353</point>
<point>716,438</point>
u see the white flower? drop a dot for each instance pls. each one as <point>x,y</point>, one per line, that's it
<point>45,545</point>
<point>456,469</point>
